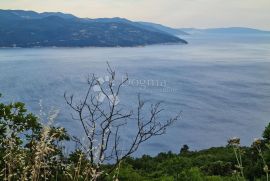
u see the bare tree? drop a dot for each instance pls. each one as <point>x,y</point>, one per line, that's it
<point>102,119</point>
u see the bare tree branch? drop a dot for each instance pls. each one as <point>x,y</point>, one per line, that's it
<point>102,121</point>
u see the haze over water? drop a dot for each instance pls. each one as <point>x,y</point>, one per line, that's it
<point>220,83</point>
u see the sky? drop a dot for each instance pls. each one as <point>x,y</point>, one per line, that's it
<point>174,13</point>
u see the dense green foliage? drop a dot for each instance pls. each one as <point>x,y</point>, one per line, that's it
<point>31,151</point>
<point>217,163</point>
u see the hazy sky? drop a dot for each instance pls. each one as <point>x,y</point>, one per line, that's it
<point>175,13</point>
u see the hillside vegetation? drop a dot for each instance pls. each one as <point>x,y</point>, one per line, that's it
<point>30,150</point>
<point>30,29</point>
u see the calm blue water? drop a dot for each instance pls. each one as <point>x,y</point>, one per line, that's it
<point>221,84</point>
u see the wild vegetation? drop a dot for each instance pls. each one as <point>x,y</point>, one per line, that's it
<point>31,147</point>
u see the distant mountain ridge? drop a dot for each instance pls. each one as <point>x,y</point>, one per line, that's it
<point>145,25</point>
<point>33,14</point>
<point>20,28</point>
<point>163,28</point>
<point>228,30</point>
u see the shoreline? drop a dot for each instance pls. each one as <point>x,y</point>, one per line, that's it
<point>56,47</point>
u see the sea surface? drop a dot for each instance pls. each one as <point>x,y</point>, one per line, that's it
<point>220,83</point>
